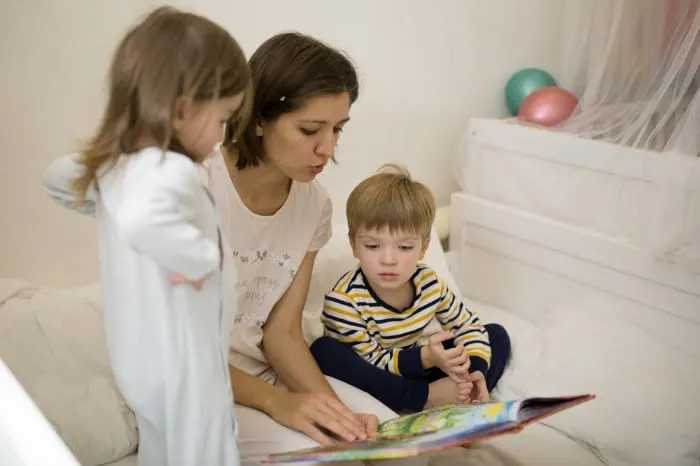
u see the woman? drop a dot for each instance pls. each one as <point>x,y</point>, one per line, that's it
<point>275,217</point>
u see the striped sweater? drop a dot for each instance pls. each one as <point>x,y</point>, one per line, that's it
<point>388,337</point>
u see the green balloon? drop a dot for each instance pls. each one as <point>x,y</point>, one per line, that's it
<point>524,83</point>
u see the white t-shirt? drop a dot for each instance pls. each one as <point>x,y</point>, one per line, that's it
<point>267,252</point>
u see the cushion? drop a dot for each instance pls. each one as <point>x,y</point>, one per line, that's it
<point>52,341</point>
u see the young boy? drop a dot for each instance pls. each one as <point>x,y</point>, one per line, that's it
<point>376,313</point>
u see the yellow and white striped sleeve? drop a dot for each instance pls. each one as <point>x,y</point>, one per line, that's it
<point>468,330</point>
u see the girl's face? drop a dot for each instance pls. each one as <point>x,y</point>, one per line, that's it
<point>200,125</point>
<point>301,143</point>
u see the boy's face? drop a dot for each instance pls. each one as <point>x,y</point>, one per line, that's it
<point>387,260</point>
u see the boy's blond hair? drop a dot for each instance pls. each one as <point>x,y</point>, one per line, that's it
<point>391,198</point>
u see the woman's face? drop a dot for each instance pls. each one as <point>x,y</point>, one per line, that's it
<point>301,143</point>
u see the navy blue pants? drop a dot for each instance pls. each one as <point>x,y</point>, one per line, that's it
<point>401,394</point>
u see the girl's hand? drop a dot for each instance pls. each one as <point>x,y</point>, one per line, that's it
<point>180,279</point>
<point>320,416</point>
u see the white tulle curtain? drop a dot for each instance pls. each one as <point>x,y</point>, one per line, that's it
<point>634,65</point>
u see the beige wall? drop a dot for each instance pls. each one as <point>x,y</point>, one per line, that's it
<point>426,67</point>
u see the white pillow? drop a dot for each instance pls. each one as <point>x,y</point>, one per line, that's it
<point>336,258</point>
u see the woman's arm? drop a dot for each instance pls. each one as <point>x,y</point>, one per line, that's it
<point>312,404</point>
<point>283,340</point>
<point>303,412</point>
<point>254,392</point>
<point>57,180</point>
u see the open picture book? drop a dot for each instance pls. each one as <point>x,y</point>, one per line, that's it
<point>436,429</point>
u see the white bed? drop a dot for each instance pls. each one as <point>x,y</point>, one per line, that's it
<point>51,339</point>
<point>555,229</point>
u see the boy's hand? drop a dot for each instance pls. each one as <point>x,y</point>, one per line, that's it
<point>480,393</point>
<point>180,279</point>
<point>453,362</point>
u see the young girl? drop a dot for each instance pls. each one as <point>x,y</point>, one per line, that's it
<point>175,81</point>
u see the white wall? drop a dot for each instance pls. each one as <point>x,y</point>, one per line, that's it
<point>426,67</point>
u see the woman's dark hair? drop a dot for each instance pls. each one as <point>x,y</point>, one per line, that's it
<point>287,70</point>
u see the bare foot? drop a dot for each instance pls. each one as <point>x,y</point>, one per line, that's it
<point>442,392</point>
<point>464,391</point>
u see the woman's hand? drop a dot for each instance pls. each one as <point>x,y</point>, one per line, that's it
<point>320,416</point>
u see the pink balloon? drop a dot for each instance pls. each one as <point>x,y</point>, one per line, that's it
<point>548,106</point>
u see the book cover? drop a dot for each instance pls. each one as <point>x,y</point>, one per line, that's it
<point>436,429</point>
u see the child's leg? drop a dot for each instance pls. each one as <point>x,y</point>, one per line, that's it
<point>340,361</point>
<point>500,353</point>
<point>401,394</point>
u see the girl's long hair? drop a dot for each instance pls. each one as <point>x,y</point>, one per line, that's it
<point>168,56</point>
